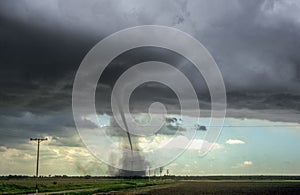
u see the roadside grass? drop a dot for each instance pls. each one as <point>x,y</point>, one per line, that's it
<point>17,186</point>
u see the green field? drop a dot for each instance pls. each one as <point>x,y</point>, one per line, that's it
<point>92,185</point>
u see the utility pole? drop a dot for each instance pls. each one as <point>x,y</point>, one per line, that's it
<point>160,171</point>
<point>149,173</point>
<point>38,140</point>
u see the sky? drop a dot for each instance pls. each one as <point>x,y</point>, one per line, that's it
<point>255,44</point>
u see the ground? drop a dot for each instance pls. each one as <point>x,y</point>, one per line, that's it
<point>175,185</point>
<point>220,187</point>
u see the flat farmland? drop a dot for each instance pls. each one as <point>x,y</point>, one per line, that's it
<point>221,187</point>
<point>164,185</point>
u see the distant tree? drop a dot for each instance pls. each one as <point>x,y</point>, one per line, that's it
<point>87,177</point>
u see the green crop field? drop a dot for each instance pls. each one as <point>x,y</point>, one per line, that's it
<point>89,186</point>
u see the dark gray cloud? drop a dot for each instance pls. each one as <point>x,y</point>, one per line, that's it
<point>255,43</point>
<point>169,128</point>
<point>16,130</point>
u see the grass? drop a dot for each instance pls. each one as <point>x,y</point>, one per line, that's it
<point>27,185</point>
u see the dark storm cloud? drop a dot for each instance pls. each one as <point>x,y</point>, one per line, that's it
<point>59,127</point>
<point>169,128</point>
<point>255,43</point>
<point>18,129</point>
<point>260,45</point>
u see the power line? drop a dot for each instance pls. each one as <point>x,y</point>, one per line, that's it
<point>296,125</point>
<point>18,135</point>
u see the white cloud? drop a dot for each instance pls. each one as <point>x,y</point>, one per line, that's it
<point>177,142</point>
<point>247,163</point>
<point>244,164</point>
<point>234,141</point>
<point>181,142</point>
